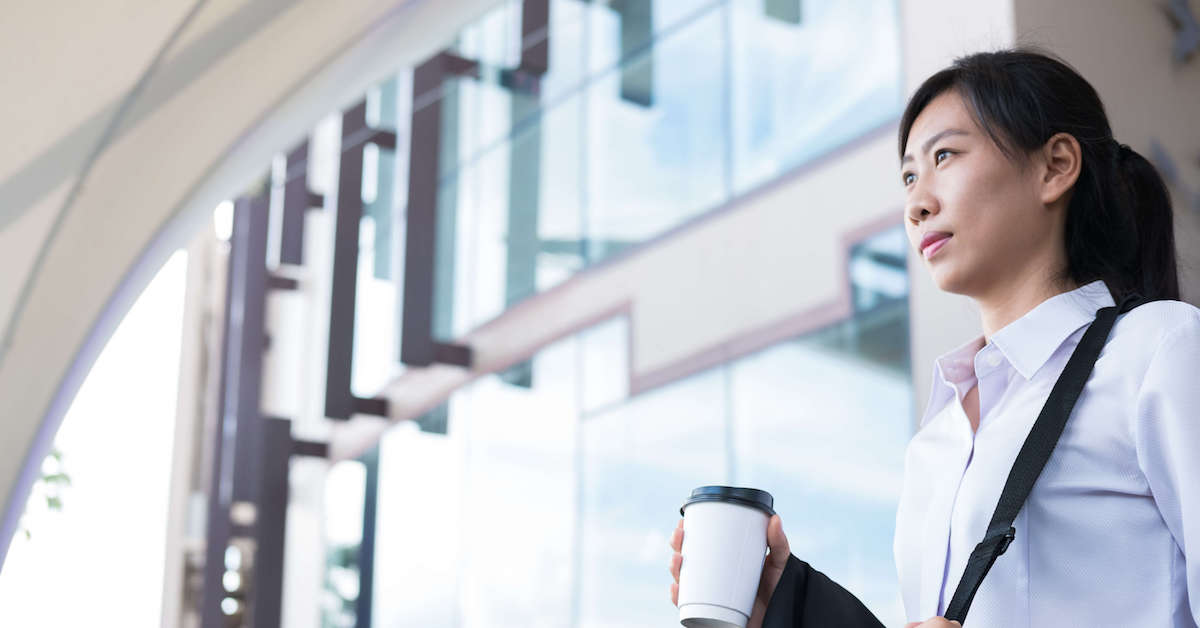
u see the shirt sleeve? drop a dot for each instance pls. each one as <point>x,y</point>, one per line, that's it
<point>1167,437</point>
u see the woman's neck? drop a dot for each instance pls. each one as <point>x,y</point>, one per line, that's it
<point>1005,305</point>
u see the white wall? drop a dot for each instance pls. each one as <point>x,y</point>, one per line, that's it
<point>1123,48</point>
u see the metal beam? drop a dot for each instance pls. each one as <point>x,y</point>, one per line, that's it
<point>270,525</point>
<point>366,549</point>
<point>417,344</point>
<point>297,200</point>
<point>339,398</point>
<point>235,463</point>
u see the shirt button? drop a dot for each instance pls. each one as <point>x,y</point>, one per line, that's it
<point>993,359</point>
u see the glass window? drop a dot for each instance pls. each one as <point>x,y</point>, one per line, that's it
<point>504,232</point>
<point>381,247</point>
<point>605,364</point>
<point>520,495</point>
<point>345,488</point>
<point>801,89</point>
<point>478,528</point>
<point>832,457</point>
<point>656,153</point>
<point>641,460</point>
<point>565,523</point>
<point>621,29</point>
<point>418,531</point>
<point>566,54</point>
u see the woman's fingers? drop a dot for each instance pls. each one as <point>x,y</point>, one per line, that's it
<point>677,537</point>
<point>777,541</point>
<point>676,560</point>
<point>934,622</point>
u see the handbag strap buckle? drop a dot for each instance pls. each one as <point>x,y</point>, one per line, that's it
<point>996,544</point>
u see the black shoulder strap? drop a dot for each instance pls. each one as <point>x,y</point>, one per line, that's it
<point>1040,442</point>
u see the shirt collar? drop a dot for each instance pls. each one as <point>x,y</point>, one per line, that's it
<point>1029,341</point>
<point>1026,343</point>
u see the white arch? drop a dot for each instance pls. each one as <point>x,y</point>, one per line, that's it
<point>157,181</point>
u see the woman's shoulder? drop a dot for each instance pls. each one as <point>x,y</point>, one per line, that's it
<point>1150,326</point>
<point>1163,316</point>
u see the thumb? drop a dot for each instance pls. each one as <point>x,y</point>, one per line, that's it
<point>777,541</point>
<point>912,624</point>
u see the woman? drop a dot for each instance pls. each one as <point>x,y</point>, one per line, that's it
<point>1018,196</point>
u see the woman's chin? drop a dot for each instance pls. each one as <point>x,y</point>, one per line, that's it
<point>946,280</point>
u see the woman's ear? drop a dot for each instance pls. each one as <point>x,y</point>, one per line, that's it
<point>1058,170</point>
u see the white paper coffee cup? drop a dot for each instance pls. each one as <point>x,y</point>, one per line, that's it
<point>724,547</point>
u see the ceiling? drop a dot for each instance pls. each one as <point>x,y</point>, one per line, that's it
<point>125,123</point>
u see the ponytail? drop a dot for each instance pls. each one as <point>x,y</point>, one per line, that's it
<point>1142,192</point>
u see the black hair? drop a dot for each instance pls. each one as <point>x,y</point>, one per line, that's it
<point>1119,219</point>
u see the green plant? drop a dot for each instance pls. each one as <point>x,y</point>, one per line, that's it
<point>48,487</point>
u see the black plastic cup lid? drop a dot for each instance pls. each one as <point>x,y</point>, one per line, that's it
<point>751,497</point>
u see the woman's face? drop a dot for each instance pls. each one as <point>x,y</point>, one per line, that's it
<point>957,181</point>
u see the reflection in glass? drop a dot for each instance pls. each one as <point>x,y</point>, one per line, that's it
<point>652,166</point>
<point>640,462</point>
<point>345,487</point>
<point>418,529</point>
<point>550,498</point>
<point>801,89</point>
<point>519,495</point>
<point>576,515</point>
<point>682,106</point>
<point>831,455</point>
<point>477,528</point>
<point>621,29</point>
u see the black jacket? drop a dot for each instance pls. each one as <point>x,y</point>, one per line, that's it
<point>807,598</point>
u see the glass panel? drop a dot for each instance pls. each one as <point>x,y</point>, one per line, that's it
<point>375,345</point>
<point>506,233</point>
<point>418,529</point>
<point>534,189</point>
<point>650,166</point>
<point>494,39</point>
<point>381,248</point>
<point>832,456</point>
<point>605,364</point>
<point>520,495</point>
<point>478,528</point>
<point>621,29</point>
<point>567,54</point>
<point>641,461</point>
<point>345,487</point>
<point>801,89</point>
<point>565,512</point>
<point>485,117</point>
<point>560,193</point>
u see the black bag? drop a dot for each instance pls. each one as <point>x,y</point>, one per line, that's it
<point>807,598</point>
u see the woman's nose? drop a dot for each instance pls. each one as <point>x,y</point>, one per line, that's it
<point>920,206</point>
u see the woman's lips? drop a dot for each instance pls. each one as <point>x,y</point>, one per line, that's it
<point>932,249</point>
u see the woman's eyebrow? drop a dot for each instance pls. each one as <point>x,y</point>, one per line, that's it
<point>929,142</point>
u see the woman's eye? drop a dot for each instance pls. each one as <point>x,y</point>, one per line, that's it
<point>907,176</point>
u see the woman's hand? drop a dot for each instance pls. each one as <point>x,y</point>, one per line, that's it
<point>772,568</point>
<point>934,622</point>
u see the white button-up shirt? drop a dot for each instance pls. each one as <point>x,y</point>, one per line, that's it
<point>1110,535</point>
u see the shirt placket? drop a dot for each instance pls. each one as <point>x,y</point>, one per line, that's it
<point>988,366</point>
